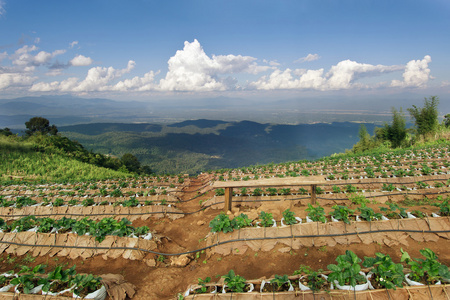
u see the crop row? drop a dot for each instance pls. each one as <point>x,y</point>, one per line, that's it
<point>345,173</point>
<point>23,201</point>
<point>337,188</point>
<point>59,281</point>
<point>222,222</point>
<point>102,191</point>
<point>382,273</point>
<point>98,229</point>
<point>136,182</point>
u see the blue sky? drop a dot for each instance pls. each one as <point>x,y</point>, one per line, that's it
<point>145,49</point>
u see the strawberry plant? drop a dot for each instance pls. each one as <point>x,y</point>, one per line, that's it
<point>319,190</point>
<point>221,223</point>
<point>58,279</point>
<point>46,225</point>
<point>27,278</point>
<point>257,192</point>
<point>234,282</point>
<point>346,272</point>
<point>24,201</point>
<point>421,185</point>
<point>316,214</point>
<point>428,270</point>
<point>266,219</point>
<point>444,208</point>
<point>220,192</point>
<point>285,191</point>
<point>202,283</point>
<point>302,191</point>
<point>87,202</point>
<point>116,193</point>
<point>280,282</point>
<point>289,217</point>
<point>24,223</point>
<point>368,214</point>
<point>243,191</point>
<point>272,191</point>
<point>336,189</point>
<point>58,202</point>
<point>388,187</point>
<point>342,213</point>
<point>350,188</point>
<point>85,284</point>
<point>391,211</point>
<point>241,221</point>
<point>386,273</point>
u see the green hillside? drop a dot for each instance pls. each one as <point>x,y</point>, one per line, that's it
<point>35,160</point>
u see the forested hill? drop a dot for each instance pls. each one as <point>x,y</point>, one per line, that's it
<point>194,146</point>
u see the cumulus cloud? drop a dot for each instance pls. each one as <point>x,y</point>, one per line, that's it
<point>24,57</point>
<point>81,60</point>
<point>417,74</point>
<point>145,83</point>
<point>97,79</point>
<point>73,44</point>
<point>340,76</point>
<point>191,69</point>
<point>309,57</point>
<point>8,80</point>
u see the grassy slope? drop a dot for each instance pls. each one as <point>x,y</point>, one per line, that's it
<point>20,161</point>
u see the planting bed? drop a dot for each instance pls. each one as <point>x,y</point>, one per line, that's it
<point>183,247</point>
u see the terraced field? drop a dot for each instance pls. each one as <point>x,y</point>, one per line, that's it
<point>168,237</point>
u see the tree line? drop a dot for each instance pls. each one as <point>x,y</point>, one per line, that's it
<point>46,139</point>
<point>395,135</point>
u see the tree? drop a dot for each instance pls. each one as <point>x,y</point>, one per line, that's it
<point>41,125</point>
<point>396,132</point>
<point>447,120</point>
<point>6,131</point>
<point>365,140</point>
<point>426,118</point>
<point>131,162</point>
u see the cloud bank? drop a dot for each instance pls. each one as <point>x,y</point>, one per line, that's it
<point>191,69</point>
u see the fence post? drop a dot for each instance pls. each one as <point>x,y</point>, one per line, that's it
<point>228,198</point>
<point>313,194</point>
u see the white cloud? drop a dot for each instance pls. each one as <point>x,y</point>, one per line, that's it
<point>23,57</point>
<point>309,57</point>
<point>146,83</point>
<point>417,74</point>
<point>340,76</point>
<point>97,79</point>
<point>81,60</point>
<point>308,79</point>
<point>73,44</point>
<point>8,80</point>
<point>191,69</point>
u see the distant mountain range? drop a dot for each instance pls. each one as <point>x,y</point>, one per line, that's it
<point>68,110</point>
<point>195,145</point>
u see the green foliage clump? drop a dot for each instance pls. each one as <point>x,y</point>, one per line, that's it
<point>426,117</point>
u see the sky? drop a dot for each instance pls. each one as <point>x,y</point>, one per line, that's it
<point>151,49</point>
